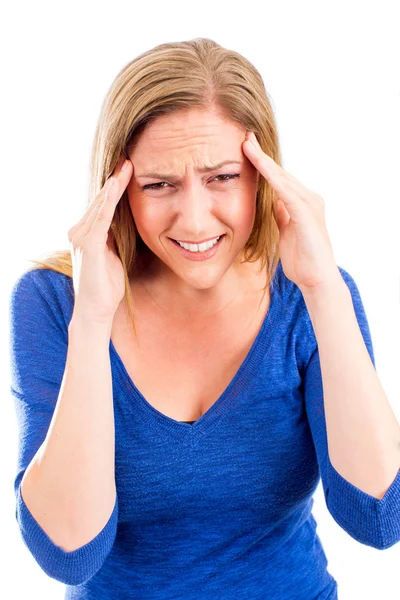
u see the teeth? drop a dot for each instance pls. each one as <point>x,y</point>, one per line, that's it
<point>199,247</point>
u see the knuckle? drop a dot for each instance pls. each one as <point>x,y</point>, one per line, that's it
<point>75,242</point>
<point>71,234</point>
<point>109,185</point>
<point>101,213</point>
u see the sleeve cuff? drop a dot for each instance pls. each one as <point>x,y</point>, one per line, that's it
<point>369,520</point>
<point>71,568</point>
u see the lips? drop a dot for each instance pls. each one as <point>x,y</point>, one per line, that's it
<point>199,243</point>
<point>199,256</point>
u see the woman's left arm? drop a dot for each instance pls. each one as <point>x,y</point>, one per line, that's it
<point>363,433</point>
<point>362,430</point>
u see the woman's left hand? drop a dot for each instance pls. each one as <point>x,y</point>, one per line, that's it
<point>305,249</point>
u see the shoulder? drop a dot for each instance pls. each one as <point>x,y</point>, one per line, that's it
<point>40,290</point>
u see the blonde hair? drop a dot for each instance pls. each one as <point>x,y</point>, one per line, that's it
<point>175,76</point>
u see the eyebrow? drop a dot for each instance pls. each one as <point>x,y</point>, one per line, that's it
<point>205,169</point>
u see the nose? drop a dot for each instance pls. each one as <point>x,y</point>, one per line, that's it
<point>196,221</point>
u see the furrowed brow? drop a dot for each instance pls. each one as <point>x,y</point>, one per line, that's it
<point>206,169</point>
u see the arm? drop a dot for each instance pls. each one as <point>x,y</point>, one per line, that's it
<point>69,486</point>
<point>66,497</point>
<point>363,433</point>
<point>365,506</point>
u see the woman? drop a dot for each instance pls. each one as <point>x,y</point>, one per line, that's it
<point>172,451</point>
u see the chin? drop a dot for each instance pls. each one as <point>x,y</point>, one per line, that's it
<point>201,277</point>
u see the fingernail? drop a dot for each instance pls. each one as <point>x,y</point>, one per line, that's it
<point>125,165</point>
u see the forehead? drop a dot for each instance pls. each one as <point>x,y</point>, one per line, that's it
<point>196,138</point>
<point>193,122</point>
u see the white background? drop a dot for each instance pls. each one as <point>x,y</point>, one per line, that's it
<point>332,72</point>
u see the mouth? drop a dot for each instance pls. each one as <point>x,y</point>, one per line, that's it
<point>198,255</point>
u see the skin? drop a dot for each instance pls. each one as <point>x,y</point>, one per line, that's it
<point>196,207</point>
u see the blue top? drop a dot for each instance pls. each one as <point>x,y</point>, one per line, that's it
<point>221,508</point>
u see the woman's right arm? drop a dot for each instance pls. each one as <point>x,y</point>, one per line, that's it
<point>69,486</point>
<point>66,499</point>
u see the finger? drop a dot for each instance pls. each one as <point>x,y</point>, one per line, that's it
<point>276,176</point>
<point>269,162</point>
<point>92,208</point>
<point>294,184</point>
<point>117,181</point>
<point>97,226</point>
<point>112,195</point>
<point>287,186</point>
<point>111,242</point>
<point>104,196</point>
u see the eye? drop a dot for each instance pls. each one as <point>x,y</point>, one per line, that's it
<point>154,186</point>
<point>230,175</point>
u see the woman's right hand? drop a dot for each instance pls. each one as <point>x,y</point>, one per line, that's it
<point>98,276</point>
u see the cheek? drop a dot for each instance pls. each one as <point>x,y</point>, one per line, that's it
<point>242,210</point>
<point>149,222</point>
<point>144,213</point>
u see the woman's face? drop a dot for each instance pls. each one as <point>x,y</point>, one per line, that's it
<point>172,197</point>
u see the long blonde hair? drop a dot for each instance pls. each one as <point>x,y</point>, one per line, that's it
<point>167,78</point>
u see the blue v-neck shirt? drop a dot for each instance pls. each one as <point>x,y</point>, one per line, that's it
<point>217,509</point>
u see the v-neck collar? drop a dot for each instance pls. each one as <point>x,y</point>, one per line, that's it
<point>153,417</point>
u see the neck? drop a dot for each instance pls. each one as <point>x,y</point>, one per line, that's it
<point>176,300</point>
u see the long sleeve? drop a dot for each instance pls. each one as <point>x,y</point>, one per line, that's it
<point>370,521</point>
<point>38,351</point>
